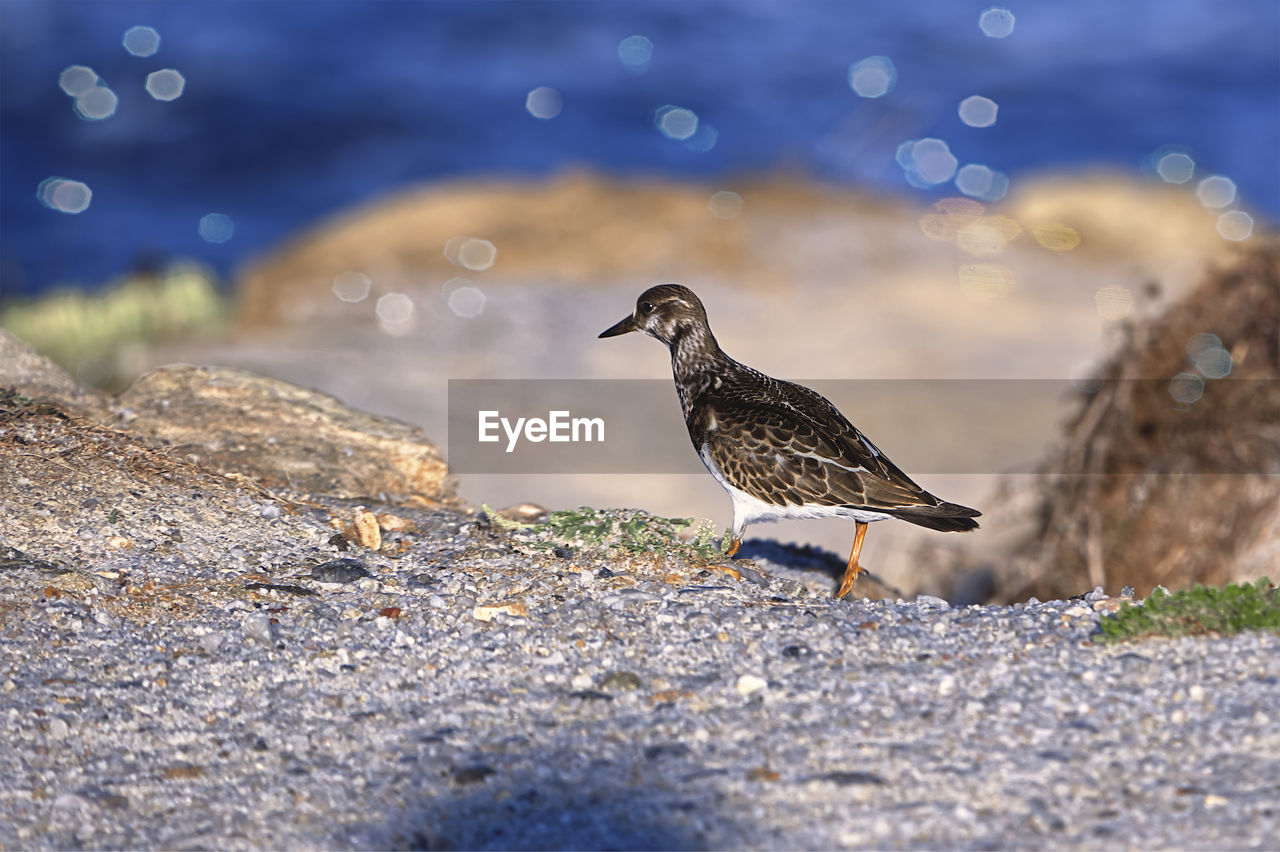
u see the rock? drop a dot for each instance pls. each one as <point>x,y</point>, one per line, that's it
<point>284,436</point>
<point>486,612</point>
<point>848,779</point>
<point>339,571</point>
<point>749,683</point>
<point>472,774</point>
<point>39,379</point>
<point>619,681</point>
<point>368,533</point>
<point>256,627</point>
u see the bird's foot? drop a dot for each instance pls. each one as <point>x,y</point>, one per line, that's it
<point>734,544</point>
<point>848,581</point>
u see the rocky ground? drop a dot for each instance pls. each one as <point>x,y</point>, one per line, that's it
<point>192,659</point>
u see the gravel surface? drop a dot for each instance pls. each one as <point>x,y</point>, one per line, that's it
<point>489,688</point>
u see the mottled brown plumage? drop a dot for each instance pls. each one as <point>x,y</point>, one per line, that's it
<point>778,448</point>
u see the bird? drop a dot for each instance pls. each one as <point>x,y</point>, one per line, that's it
<point>778,448</point>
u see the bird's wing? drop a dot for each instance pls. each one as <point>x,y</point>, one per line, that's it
<point>796,447</point>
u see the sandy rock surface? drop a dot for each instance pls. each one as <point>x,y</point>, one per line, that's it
<point>190,660</point>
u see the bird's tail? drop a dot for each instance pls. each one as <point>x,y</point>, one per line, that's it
<point>945,517</point>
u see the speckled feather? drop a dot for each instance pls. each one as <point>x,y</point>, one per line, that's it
<point>779,442</point>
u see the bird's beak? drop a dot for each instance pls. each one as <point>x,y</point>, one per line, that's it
<point>622,327</point>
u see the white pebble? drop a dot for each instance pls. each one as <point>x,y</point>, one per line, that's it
<point>750,683</point>
<point>256,627</point>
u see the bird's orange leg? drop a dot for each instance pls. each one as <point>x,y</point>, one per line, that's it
<point>853,569</point>
<point>734,544</point>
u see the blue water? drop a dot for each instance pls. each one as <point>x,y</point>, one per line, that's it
<point>295,110</point>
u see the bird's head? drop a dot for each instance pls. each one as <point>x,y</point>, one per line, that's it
<point>666,312</point>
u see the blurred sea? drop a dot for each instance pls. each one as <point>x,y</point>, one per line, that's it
<point>293,111</point>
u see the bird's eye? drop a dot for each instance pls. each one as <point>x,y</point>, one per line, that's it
<point>646,307</point>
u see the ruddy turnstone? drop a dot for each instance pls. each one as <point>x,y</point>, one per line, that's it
<point>778,448</point>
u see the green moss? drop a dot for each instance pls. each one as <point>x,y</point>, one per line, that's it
<point>626,531</point>
<point>1196,611</point>
<point>71,326</point>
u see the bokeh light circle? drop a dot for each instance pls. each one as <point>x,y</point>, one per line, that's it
<point>977,111</point>
<point>467,301</point>
<point>1175,167</point>
<point>63,195</point>
<point>75,80</point>
<point>544,102</point>
<point>1216,191</point>
<point>1186,388</point>
<point>676,122</point>
<point>725,204</point>
<point>167,84</point>
<point>873,77</point>
<point>996,22</point>
<point>636,52</point>
<point>97,103</point>
<point>1235,225</point>
<point>394,309</point>
<point>216,228</point>
<point>141,41</point>
<point>352,287</point>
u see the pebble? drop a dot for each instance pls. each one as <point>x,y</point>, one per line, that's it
<point>687,713</point>
<point>256,627</point>
<point>339,571</point>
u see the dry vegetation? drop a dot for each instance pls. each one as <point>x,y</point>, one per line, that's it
<point>1150,492</point>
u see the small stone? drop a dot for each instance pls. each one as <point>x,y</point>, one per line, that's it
<point>339,571</point>
<point>562,552</point>
<point>210,642</point>
<point>58,729</point>
<point>256,627</point>
<point>394,523</point>
<point>590,695</point>
<point>270,511</point>
<point>848,779</point>
<point>749,683</point>
<point>661,750</point>
<point>9,685</point>
<point>618,681</point>
<point>1213,800</point>
<point>486,612</point>
<point>524,513</point>
<point>368,533</point>
<point>581,681</point>
<point>933,602</point>
<point>797,652</point>
<point>472,774</point>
